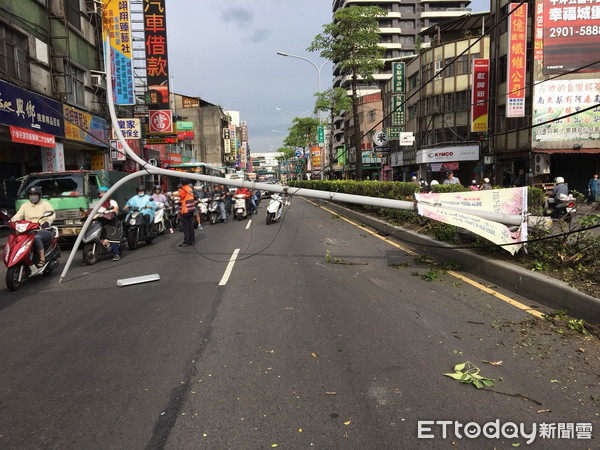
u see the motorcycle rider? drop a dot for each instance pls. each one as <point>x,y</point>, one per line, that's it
<point>224,199</point>
<point>560,190</point>
<point>33,211</point>
<point>159,197</point>
<point>109,219</point>
<point>144,203</point>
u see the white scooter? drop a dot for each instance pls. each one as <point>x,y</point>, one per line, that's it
<point>274,208</point>
<point>240,207</point>
<point>160,218</point>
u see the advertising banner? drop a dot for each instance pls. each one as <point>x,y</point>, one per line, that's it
<point>556,98</point>
<point>161,121</point>
<point>480,83</point>
<point>25,136</point>
<point>53,159</point>
<point>505,201</point>
<point>571,30</point>
<point>517,56</point>
<point>157,67</point>
<point>116,23</point>
<point>25,109</point>
<point>84,127</point>
<point>117,151</point>
<point>315,158</point>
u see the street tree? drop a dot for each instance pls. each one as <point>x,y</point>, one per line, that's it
<point>333,101</point>
<point>302,134</point>
<point>351,42</point>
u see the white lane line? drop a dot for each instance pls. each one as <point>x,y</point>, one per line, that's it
<point>229,268</point>
<point>249,222</point>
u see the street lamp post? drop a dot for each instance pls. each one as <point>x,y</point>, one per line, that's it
<point>291,113</point>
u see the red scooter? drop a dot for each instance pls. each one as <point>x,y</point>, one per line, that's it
<point>20,256</point>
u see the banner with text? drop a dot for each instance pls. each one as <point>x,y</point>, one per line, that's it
<point>480,95</point>
<point>517,52</point>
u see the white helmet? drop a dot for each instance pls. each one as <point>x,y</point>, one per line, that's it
<point>434,182</point>
<point>559,180</point>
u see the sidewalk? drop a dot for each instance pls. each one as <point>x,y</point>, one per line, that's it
<point>537,286</point>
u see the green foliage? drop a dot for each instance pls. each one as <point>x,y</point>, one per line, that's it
<point>431,275</point>
<point>535,201</point>
<point>288,153</point>
<point>468,372</point>
<point>302,132</point>
<point>577,325</point>
<point>333,101</point>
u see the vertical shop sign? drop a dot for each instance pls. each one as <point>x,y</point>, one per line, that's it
<point>480,95</point>
<point>399,110</point>
<point>116,23</point>
<point>53,159</point>
<point>398,84</point>
<point>538,42</point>
<point>517,48</point>
<point>157,68</point>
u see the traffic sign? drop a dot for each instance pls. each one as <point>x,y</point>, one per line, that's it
<point>153,162</point>
<point>299,154</point>
<point>321,133</point>
<point>380,139</point>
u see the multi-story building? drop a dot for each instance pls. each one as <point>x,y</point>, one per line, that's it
<point>438,100</point>
<point>399,31</point>
<point>52,109</point>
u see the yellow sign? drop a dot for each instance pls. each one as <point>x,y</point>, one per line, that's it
<point>97,160</point>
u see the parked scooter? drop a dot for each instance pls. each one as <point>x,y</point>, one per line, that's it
<point>136,229</point>
<point>20,256</point>
<point>274,208</point>
<point>564,207</point>
<point>240,206</point>
<point>94,246</point>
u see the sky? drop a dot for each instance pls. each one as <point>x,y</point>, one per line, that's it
<point>225,51</point>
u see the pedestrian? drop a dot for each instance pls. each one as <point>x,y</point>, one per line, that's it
<point>188,211</point>
<point>594,189</point>
<point>423,184</point>
<point>34,211</point>
<point>450,178</point>
<point>486,184</point>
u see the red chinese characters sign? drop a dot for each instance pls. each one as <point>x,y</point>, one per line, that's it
<point>157,68</point>
<point>517,48</point>
<point>26,136</point>
<point>161,121</point>
<point>570,29</point>
<point>480,95</point>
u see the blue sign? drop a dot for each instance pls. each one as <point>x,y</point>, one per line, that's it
<point>22,108</point>
<point>299,153</point>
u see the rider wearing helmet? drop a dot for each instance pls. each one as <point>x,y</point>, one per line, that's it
<point>144,203</point>
<point>109,220</point>
<point>560,190</point>
<point>33,211</point>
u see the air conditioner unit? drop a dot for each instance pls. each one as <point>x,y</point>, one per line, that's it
<point>97,80</point>
<point>541,164</point>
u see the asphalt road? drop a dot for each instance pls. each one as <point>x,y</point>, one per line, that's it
<point>309,340</point>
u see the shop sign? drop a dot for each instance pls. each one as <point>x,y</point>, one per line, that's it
<point>117,24</point>
<point>447,154</point>
<point>185,135</point>
<point>22,108</point>
<point>31,137</point>
<point>117,152</point>
<point>184,126</point>
<point>398,83</point>
<point>161,121</point>
<point>97,160</point>
<point>517,47</point>
<point>84,127</point>
<point>157,66</point>
<point>131,128</point>
<point>53,159</point>
<point>480,86</point>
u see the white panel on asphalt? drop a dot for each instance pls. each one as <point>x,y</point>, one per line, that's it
<point>229,268</point>
<point>249,222</point>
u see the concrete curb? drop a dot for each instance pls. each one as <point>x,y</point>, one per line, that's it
<point>539,287</point>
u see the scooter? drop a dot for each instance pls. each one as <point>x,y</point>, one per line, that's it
<point>160,218</point>
<point>136,229</point>
<point>20,256</point>
<point>240,206</point>
<point>274,208</point>
<point>203,208</point>
<point>93,247</point>
<point>214,212</point>
<point>564,207</point>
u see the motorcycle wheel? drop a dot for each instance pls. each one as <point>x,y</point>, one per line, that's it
<point>90,257</point>
<point>270,218</point>
<point>239,215</point>
<point>12,277</point>
<point>213,218</point>
<point>132,239</point>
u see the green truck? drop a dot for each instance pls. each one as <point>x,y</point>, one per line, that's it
<point>72,191</point>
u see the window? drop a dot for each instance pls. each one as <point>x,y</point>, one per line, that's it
<point>406,9</point>
<point>77,77</point>
<point>462,65</point>
<point>14,54</point>
<point>406,39</point>
<point>407,24</point>
<point>502,68</point>
<point>73,13</point>
<point>449,71</point>
<point>371,115</point>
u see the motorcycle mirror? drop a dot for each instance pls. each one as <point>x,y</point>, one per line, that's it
<point>48,214</point>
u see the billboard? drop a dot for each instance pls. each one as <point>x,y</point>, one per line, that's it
<point>116,23</point>
<point>480,88</point>
<point>157,67</point>
<point>570,31</point>
<point>516,57</point>
<point>557,98</point>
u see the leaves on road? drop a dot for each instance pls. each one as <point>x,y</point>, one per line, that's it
<point>468,372</point>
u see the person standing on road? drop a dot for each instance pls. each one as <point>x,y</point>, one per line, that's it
<point>594,189</point>
<point>33,212</point>
<point>188,211</point>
